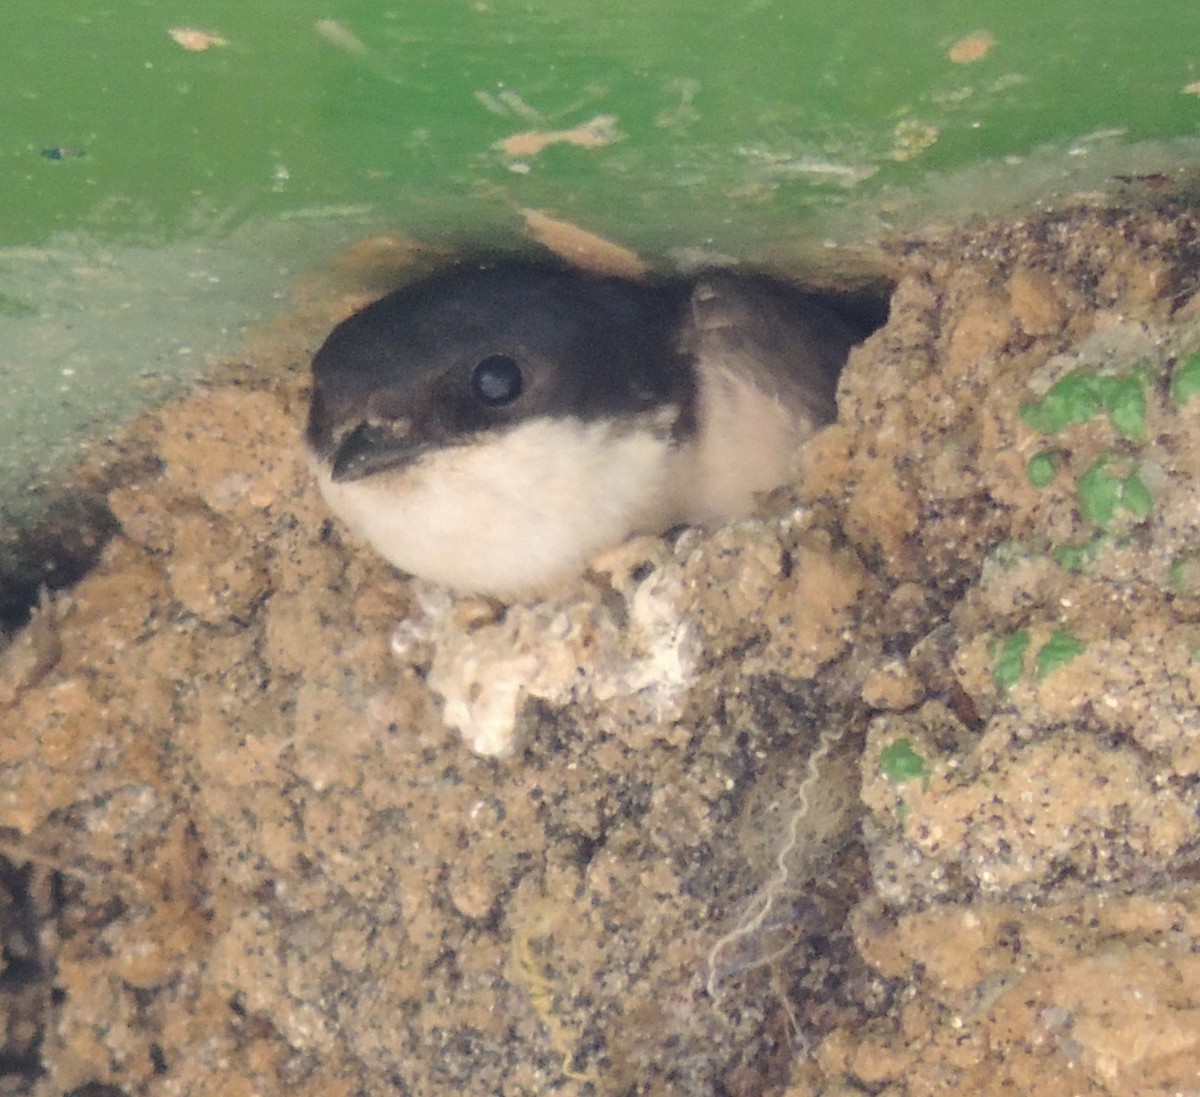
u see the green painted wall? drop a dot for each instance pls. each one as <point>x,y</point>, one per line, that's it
<point>735,119</point>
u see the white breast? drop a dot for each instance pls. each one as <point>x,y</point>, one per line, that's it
<point>513,514</point>
<point>749,444</point>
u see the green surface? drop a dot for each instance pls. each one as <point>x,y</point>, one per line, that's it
<point>1041,469</point>
<point>1081,396</point>
<point>737,119</point>
<point>1009,659</point>
<point>1185,381</point>
<point>1056,652</point>
<point>1103,493</point>
<point>899,762</point>
<point>189,186</point>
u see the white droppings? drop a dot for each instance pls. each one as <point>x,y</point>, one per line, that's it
<point>570,650</point>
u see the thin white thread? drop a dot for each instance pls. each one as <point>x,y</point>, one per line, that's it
<point>764,900</point>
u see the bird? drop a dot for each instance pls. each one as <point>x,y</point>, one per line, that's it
<point>493,426</point>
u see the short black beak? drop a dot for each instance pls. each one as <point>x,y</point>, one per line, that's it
<point>368,449</point>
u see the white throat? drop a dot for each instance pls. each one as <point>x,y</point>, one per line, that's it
<point>516,511</point>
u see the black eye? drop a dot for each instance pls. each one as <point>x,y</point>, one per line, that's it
<point>497,380</point>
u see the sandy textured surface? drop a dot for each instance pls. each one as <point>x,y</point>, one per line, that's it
<point>892,792</point>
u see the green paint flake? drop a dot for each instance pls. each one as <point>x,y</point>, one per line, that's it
<point>1102,494</point>
<point>1136,497</point>
<point>1099,494</point>
<point>1072,557</point>
<point>1185,381</point>
<point>1124,399</point>
<point>1059,650</point>
<point>1010,659</point>
<point>1077,557</point>
<point>898,762</point>
<point>1073,399</point>
<point>1041,469</point>
<point>1079,397</point>
<point>1185,576</point>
